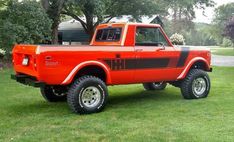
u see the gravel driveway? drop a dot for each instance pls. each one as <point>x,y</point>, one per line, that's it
<point>217,60</point>
<point>223,61</point>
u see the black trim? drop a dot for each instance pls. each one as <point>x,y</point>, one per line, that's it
<point>119,63</point>
<point>149,63</point>
<point>183,56</point>
<point>128,64</point>
<point>149,44</point>
<point>27,80</point>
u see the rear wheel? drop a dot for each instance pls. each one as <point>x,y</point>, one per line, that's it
<point>196,85</point>
<point>87,95</point>
<point>155,86</point>
<point>54,94</point>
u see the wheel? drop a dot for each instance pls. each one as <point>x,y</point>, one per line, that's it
<point>88,94</point>
<point>196,85</point>
<point>155,86</point>
<point>54,94</point>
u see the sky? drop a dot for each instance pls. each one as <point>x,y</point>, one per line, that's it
<point>209,12</point>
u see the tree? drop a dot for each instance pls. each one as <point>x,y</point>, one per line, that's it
<point>222,14</point>
<point>200,35</point>
<point>54,8</point>
<point>99,11</point>
<point>229,29</point>
<point>23,22</point>
<point>183,12</point>
<point>3,3</point>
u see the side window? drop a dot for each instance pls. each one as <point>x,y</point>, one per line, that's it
<point>150,37</point>
<point>108,34</point>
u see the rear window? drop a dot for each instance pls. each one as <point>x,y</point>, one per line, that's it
<point>108,34</point>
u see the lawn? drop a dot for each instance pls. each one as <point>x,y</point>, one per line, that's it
<point>132,114</point>
<point>223,51</point>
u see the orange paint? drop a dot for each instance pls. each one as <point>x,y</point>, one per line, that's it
<point>58,65</point>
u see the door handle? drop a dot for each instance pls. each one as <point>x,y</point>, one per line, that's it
<point>118,56</point>
<point>138,50</point>
<point>48,58</point>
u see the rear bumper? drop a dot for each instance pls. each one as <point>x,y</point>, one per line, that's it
<point>27,80</point>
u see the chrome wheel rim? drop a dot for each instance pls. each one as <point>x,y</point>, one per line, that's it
<point>58,94</point>
<point>91,97</point>
<point>158,84</point>
<point>199,86</point>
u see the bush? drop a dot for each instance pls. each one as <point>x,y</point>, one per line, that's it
<point>2,52</point>
<point>227,43</point>
<point>177,39</point>
<point>23,22</point>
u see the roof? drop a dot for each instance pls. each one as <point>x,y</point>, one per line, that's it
<point>70,25</point>
<point>124,24</point>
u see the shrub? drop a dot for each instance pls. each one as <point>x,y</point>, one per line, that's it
<point>23,22</point>
<point>177,39</point>
<point>2,52</point>
<point>227,42</point>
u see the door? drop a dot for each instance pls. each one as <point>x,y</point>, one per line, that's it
<point>156,60</point>
<point>116,57</point>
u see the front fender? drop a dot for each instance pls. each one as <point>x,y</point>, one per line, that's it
<point>76,69</point>
<point>189,65</point>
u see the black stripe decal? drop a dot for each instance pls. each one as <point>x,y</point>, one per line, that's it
<point>183,56</point>
<point>128,64</point>
<point>152,63</point>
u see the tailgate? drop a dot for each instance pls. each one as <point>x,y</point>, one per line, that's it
<point>24,59</point>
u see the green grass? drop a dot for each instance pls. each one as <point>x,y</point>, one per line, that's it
<point>131,114</point>
<point>223,51</point>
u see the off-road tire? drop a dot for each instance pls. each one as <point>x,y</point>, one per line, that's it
<point>188,90</point>
<point>51,95</point>
<point>155,86</point>
<point>77,92</point>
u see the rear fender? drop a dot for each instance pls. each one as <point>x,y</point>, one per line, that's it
<point>75,70</point>
<point>190,64</point>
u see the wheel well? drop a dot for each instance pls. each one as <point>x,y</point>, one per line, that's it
<point>199,65</point>
<point>92,70</point>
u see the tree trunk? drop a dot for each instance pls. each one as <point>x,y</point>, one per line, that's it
<point>55,33</point>
<point>180,14</point>
<point>54,10</point>
<point>45,4</point>
<point>174,20</point>
<point>90,25</point>
<point>91,33</point>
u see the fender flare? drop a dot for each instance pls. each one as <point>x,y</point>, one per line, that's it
<point>189,65</point>
<point>77,68</point>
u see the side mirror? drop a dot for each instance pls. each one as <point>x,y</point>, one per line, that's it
<point>161,46</point>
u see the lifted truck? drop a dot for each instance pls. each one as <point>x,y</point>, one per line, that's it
<point>119,53</point>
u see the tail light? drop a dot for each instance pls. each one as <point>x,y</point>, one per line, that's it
<point>25,61</point>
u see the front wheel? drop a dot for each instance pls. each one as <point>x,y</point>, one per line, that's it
<point>87,95</point>
<point>155,86</point>
<point>196,85</point>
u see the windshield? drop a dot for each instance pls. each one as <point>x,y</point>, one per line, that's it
<point>150,37</point>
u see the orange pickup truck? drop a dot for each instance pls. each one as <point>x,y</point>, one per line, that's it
<point>119,53</point>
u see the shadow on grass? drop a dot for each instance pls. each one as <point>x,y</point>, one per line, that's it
<point>131,99</point>
<point>143,96</point>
